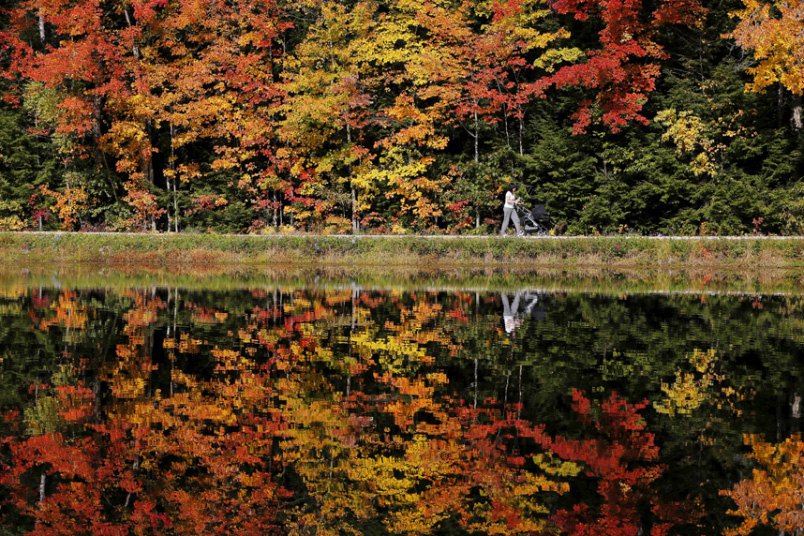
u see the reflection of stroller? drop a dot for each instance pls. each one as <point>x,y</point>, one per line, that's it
<point>536,220</point>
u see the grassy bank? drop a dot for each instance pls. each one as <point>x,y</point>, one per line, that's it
<point>469,252</point>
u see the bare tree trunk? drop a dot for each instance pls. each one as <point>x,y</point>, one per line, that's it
<point>780,105</point>
<point>355,227</point>
<point>175,207</point>
<point>135,50</point>
<point>175,183</point>
<point>474,404</point>
<point>353,193</point>
<point>42,482</point>
<point>169,218</point>
<point>521,131</point>
<point>41,27</point>
<point>477,136</point>
<point>795,119</point>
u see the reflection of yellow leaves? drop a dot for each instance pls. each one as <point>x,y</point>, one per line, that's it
<point>691,389</point>
<point>683,396</point>
<point>554,466</point>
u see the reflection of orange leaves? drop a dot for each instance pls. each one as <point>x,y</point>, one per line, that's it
<point>458,314</point>
<point>69,313</point>
<point>773,496</point>
<point>188,345</point>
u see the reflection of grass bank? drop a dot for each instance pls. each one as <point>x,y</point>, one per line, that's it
<point>589,280</point>
<point>230,250</point>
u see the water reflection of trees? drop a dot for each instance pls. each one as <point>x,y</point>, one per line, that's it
<point>339,411</point>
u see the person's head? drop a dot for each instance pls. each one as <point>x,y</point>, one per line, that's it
<point>512,187</point>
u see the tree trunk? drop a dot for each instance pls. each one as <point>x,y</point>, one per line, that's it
<point>355,228</point>
<point>42,482</point>
<point>41,27</point>
<point>477,137</point>
<point>175,183</point>
<point>175,207</point>
<point>795,118</point>
<point>134,50</point>
<point>474,403</point>
<point>353,193</point>
<point>169,218</point>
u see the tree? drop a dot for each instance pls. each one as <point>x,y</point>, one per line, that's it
<point>327,112</point>
<point>774,32</point>
<point>623,71</point>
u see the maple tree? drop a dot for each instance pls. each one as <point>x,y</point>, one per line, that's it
<point>624,70</point>
<point>327,113</point>
<point>154,70</point>
<point>774,32</point>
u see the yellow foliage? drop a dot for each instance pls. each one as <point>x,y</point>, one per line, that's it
<point>11,223</point>
<point>774,31</point>
<point>689,134</point>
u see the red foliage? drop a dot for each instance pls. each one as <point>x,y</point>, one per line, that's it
<point>623,71</point>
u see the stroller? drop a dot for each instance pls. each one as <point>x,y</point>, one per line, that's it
<point>536,220</point>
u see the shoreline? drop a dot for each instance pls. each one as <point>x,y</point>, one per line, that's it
<point>699,282</point>
<point>446,252</point>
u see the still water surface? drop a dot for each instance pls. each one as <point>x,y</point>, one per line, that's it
<point>348,410</point>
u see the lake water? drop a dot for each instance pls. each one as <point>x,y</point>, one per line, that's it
<point>345,409</point>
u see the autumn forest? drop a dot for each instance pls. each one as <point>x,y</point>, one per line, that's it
<point>396,116</point>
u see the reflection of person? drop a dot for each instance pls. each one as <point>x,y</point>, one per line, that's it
<point>509,210</point>
<point>512,317</point>
<point>510,313</point>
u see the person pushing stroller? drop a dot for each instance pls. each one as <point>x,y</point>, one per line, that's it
<point>509,210</point>
<point>528,221</point>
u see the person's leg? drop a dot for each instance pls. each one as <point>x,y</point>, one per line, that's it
<point>506,304</point>
<point>506,217</point>
<point>515,305</point>
<point>515,217</point>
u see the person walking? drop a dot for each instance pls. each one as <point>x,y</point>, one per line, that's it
<point>509,210</point>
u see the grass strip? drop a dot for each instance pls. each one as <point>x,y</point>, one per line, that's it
<point>15,281</point>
